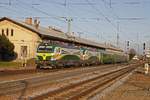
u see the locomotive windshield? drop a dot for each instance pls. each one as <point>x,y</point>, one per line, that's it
<point>45,49</point>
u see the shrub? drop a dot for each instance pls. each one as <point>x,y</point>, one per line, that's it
<point>6,49</point>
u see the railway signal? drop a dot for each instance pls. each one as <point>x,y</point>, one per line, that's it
<point>144,45</point>
<point>128,43</point>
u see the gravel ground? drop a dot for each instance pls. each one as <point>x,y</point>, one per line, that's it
<point>136,88</point>
<point>42,73</point>
<point>53,84</point>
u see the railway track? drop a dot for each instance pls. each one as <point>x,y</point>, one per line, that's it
<point>16,85</point>
<point>12,87</point>
<point>81,89</point>
<point>27,71</point>
<point>7,76</point>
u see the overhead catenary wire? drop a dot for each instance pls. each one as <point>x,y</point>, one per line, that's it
<point>112,10</point>
<point>101,14</point>
<point>43,12</point>
<point>29,8</point>
<point>98,19</point>
<point>80,19</point>
<point>10,10</point>
<point>47,13</point>
<point>52,16</point>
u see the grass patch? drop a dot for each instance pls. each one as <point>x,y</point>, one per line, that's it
<point>9,64</point>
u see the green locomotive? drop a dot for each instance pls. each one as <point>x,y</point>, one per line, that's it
<point>69,54</point>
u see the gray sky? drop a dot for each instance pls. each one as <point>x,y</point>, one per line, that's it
<point>99,20</point>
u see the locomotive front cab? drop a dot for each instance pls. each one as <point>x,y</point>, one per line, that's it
<point>45,53</point>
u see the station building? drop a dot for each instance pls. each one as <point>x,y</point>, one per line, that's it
<point>26,35</point>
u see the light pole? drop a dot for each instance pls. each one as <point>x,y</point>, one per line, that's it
<point>69,20</point>
<point>117,34</point>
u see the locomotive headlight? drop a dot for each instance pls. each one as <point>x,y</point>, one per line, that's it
<point>52,59</point>
<point>52,54</point>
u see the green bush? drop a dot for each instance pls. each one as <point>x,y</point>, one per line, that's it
<point>6,49</point>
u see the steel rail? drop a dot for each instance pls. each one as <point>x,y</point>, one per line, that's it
<point>27,71</point>
<point>13,86</point>
<point>72,86</point>
<point>98,85</point>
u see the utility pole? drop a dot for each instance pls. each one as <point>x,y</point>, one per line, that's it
<point>98,36</point>
<point>65,4</point>
<point>110,2</point>
<point>128,44</point>
<point>9,2</point>
<point>144,46</point>
<point>117,34</point>
<point>69,20</point>
<point>138,42</point>
<point>117,40</point>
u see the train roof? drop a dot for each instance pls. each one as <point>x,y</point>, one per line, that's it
<point>59,35</point>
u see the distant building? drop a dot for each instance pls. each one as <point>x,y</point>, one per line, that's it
<point>28,34</point>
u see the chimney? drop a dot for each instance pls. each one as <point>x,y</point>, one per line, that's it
<point>28,20</point>
<point>36,23</point>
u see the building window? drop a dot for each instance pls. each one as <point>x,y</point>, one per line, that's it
<point>3,32</point>
<point>12,32</point>
<point>7,31</point>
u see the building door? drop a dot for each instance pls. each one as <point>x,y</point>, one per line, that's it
<point>24,51</point>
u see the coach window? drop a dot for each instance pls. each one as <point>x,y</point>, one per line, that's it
<point>12,32</point>
<point>7,31</point>
<point>2,31</point>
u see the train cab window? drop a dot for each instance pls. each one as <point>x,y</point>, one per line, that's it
<point>46,49</point>
<point>81,52</point>
<point>57,50</point>
<point>63,52</point>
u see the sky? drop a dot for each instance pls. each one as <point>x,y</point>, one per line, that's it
<point>97,20</point>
